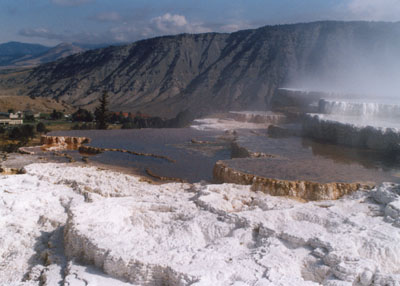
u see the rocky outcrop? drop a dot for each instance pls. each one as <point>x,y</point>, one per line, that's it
<point>305,190</point>
<point>362,136</point>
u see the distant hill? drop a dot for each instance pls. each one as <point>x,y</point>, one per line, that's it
<point>212,72</point>
<point>58,52</point>
<point>12,51</point>
<point>16,54</point>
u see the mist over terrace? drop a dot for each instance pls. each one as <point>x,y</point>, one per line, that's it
<point>359,66</point>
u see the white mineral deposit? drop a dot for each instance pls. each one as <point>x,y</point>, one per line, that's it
<point>98,227</point>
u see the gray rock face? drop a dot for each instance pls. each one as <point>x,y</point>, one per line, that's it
<point>235,71</point>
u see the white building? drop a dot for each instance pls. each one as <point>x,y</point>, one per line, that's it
<point>8,121</point>
<point>16,115</point>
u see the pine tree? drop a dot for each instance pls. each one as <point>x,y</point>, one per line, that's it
<point>101,112</point>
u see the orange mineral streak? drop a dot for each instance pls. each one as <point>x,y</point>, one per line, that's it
<point>62,142</point>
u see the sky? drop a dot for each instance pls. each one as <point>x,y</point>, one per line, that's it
<point>50,22</point>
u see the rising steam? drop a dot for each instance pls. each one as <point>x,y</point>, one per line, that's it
<point>362,61</point>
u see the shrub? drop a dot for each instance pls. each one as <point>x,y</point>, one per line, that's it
<point>128,125</point>
<point>28,131</point>
<point>29,118</point>
<point>45,116</point>
<point>82,115</point>
<point>15,133</point>
<point>56,115</point>
<point>22,132</point>
<point>84,126</point>
<point>41,128</point>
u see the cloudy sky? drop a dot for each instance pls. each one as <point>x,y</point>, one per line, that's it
<point>51,22</point>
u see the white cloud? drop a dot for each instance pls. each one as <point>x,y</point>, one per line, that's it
<point>41,33</point>
<point>174,24</point>
<point>70,2</point>
<point>377,10</point>
<point>126,30</point>
<point>167,22</point>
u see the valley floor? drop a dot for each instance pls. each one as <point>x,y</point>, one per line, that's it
<point>70,225</point>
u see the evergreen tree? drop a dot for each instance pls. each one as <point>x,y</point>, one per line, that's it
<point>101,112</point>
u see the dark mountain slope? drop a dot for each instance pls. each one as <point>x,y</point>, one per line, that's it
<point>221,71</point>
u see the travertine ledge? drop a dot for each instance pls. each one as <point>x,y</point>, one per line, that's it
<point>306,190</point>
<point>238,151</point>
<point>97,150</point>
<point>163,178</point>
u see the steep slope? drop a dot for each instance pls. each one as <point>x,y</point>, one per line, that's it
<point>212,71</point>
<point>136,74</point>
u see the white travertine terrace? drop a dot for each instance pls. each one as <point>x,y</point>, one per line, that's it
<point>339,131</point>
<point>239,120</point>
<point>364,109</point>
<point>180,234</point>
<point>372,125</point>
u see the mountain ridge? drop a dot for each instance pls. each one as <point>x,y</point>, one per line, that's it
<point>218,71</point>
